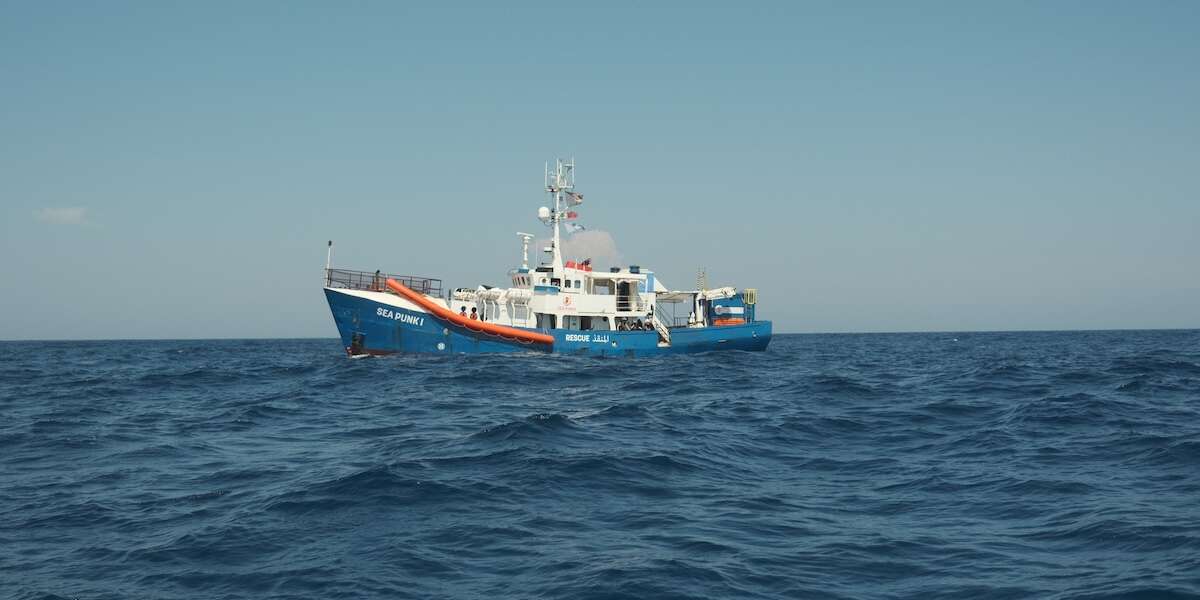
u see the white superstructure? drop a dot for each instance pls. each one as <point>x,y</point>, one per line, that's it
<point>569,294</point>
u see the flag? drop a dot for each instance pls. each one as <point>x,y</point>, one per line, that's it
<point>572,214</point>
<point>573,227</point>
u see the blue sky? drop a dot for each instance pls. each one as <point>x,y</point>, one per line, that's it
<point>174,169</point>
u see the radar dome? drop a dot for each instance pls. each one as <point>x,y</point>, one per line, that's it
<point>544,213</point>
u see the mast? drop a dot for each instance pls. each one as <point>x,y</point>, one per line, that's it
<point>558,262</point>
<point>328,263</point>
<point>561,184</point>
<point>525,237</point>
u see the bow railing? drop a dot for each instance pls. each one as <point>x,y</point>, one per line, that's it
<point>377,281</point>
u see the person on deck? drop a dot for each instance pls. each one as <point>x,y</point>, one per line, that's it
<point>474,316</point>
<point>462,312</point>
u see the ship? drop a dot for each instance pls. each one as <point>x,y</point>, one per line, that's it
<point>561,305</point>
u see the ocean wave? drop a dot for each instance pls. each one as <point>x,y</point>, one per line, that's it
<point>533,426</point>
<point>1009,465</point>
<point>379,486</point>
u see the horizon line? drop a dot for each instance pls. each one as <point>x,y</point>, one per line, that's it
<point>896,332</point>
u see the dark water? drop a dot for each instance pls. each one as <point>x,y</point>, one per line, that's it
<point>987,465</point>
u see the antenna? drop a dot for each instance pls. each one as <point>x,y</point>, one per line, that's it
<point>525,239</point>
<point>701,279</point>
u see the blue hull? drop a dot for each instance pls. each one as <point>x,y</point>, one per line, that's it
<point>370,327</point>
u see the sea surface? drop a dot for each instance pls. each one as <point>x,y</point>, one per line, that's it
<point>947,465</point>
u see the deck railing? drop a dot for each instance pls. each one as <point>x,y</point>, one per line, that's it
<point>668,314</point>
<point>377,281</point>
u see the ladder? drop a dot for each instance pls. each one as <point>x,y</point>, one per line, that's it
<point>663,333</point>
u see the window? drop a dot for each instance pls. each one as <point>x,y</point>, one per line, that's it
<point>555,281</point>
<point>577,284</point>
<point>568,283</point>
